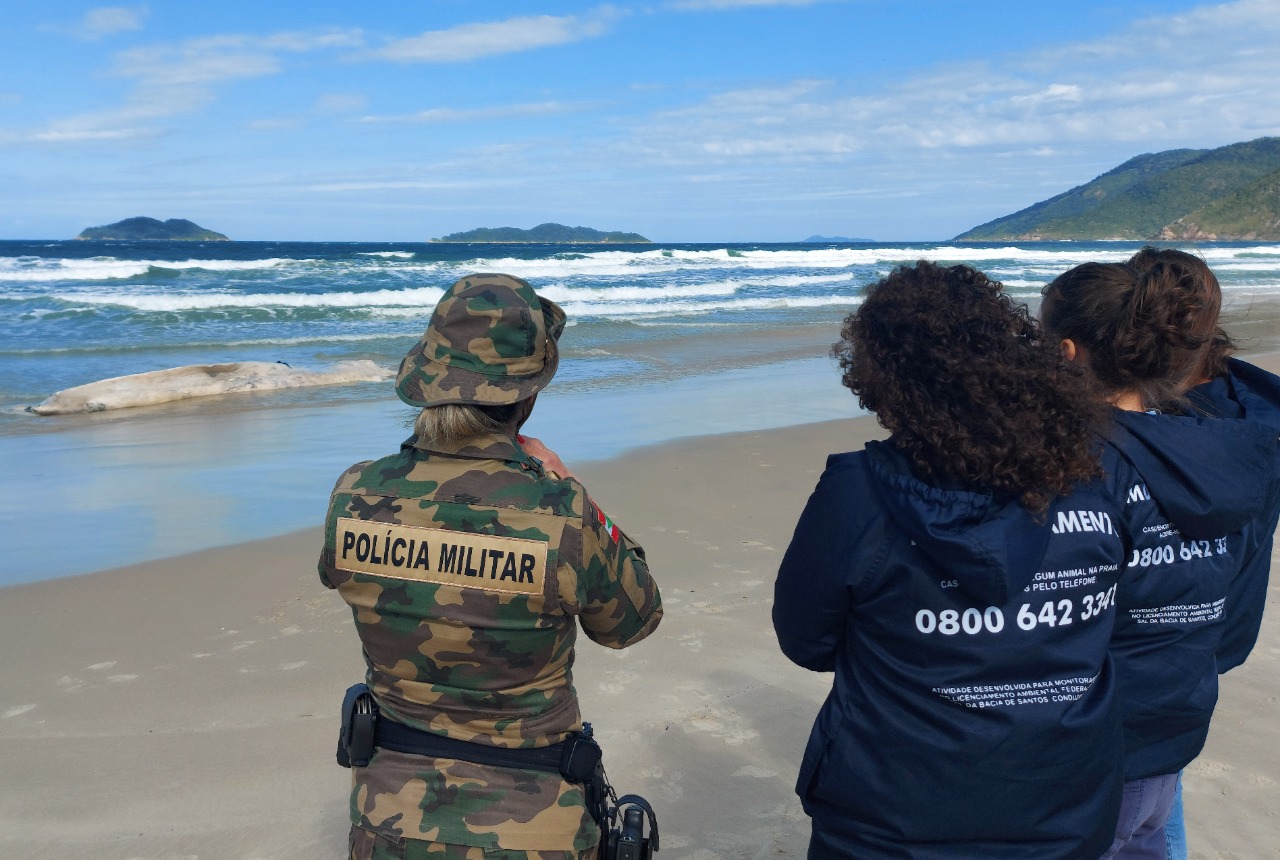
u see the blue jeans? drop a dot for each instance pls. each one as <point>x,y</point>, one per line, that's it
<point>1144,810</point>
<point>1175,829</point>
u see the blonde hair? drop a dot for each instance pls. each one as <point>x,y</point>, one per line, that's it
<point>453,423</point>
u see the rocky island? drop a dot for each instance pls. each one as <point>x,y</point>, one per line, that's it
<point>1231,193</point>
<point>151,229</point>
<point>545,234</point>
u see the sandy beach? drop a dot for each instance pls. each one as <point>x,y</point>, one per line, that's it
<point>187,708</point>
<point>227,226</point>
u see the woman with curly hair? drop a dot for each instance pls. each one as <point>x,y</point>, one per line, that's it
<point>1190,600</point>
<point>958,580</point>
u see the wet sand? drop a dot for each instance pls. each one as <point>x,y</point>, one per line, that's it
<point>153,482</point>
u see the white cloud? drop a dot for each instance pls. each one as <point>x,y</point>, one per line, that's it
<point>181,78</point>
<point>85,135</point>
<point>340,103</point>
<point>197,62</point>
<point>104,21</point>
<point>1051,93</point>
<point>969,141</point>
<point>223,58</point>
<point>1190,80</point>
<point>472,41</point>
<point>458,115</point>
<point>107,127</point>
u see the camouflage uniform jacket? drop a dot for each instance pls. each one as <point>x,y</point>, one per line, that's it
<point>468,572</point>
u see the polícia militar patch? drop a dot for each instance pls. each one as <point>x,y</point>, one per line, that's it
<point>487,562</point>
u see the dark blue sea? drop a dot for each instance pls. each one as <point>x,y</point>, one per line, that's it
<point>74,311</point>
<point>664,341</point>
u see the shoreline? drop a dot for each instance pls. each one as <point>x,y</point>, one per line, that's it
<point>154,482</point>
<point>166,480</point>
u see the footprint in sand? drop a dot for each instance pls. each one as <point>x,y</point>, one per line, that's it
<point>692,641</point>
<point>1209,767</point>
<point>16,711</point>
<point>120,679</point>
<point>669,790</point>
<point>289,667</point>
<point>617,682</point>
<point>96,667</point>
<point>713,724</point>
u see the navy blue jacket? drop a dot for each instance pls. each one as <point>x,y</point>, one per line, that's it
<point>972,711</point>
<point>1253,394</point>
<point>1208,490</point>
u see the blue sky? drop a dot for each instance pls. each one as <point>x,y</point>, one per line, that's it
<point>683,120</point>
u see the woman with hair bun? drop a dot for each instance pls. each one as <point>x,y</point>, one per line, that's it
<point>1207,502</point>
<point>958,580</point>
<point>1143,335</point>
<point>1225,387</point>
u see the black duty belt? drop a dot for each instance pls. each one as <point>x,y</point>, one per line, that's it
<point>364,728</point>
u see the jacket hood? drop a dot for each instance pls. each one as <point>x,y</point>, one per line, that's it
<point>1209,476</point>
<point>991,546</point>
<point>1245,391</point>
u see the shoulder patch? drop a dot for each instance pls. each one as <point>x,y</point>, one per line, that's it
<point>487,562</point>
<point>606,522</point>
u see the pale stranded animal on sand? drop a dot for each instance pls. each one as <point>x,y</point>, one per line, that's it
<point>201,380</point>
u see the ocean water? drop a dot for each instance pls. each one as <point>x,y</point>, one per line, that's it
<point>74,312</point>
<point>664,341</point>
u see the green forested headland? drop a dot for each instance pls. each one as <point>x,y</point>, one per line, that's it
<point>1229,193</point>
<point>135,229</point>
<point>544,234</point>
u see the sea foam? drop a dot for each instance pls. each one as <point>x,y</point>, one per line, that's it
<point>35,270</point>
<point>74,311</point>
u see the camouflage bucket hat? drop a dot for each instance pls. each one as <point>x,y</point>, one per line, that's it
<point>491,341</point>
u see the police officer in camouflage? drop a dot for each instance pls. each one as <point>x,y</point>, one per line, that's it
<point>469,560</point>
